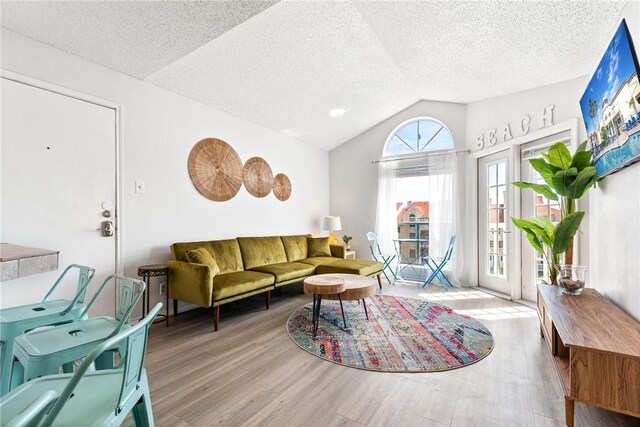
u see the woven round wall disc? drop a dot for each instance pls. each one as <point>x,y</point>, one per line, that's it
<point>215,169</point>
<point>257,177</point>
<point>281,187</point>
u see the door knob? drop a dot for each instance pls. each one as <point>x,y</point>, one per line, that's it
<point>106,228</point>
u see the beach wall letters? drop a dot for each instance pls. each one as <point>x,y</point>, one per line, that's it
<point>491,137</point>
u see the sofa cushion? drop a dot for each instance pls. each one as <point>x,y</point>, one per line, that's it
<point>232,284</point>
<point>295,247</point>
<point>351,266</point>
<point>257,251</point>
<point>225,252</point>
<point>319,260</point>
<point>318,246</point>
<point>203,256</point>
<point>287,270</point>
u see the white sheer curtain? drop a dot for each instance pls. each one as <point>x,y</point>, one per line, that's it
<point>443,191</point>
<point>386,221</point>
<point>445,219</point>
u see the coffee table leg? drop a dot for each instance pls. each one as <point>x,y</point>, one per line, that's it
<point>344,319</point>
<point>316,317</point>
<point>365,308</point>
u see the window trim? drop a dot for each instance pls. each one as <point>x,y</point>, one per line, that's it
<point>416,153</point>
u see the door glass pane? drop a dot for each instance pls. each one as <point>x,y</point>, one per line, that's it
<point>493,197</point>
<point>496,208</point>
<point>492,174</point>
<point>502,177</point>
<point>500,249</point>
<point>501,190</point>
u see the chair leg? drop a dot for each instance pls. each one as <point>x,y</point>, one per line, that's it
<point>216,317</point>
<point>142,411</point>
<point>379,281</point>
<point>175,307</point>
<point>7,358</point>
<point>268,299</point>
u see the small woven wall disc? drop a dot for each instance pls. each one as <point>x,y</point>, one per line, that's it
<point>215,169</point>
<point>281,187</point>
<point>257,177</point>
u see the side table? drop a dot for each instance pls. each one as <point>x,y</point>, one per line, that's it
<point>147,272</point>
<point>350,254</point>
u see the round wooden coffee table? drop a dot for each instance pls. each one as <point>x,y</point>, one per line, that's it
<point>337,286</point>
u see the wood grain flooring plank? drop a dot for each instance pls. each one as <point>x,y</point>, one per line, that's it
<point>250,373</point>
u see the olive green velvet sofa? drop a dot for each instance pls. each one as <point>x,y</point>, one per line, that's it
<point>250,266</point>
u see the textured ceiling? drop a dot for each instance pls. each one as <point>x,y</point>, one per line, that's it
<point>293,62</point>
<point>133,37</point>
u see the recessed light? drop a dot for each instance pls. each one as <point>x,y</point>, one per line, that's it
<point>337,112</point>
<point>290,132</point>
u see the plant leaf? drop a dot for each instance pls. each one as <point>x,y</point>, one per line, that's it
<point>531,230</point>
<point>535,242</point>
<point>559,156</point>
<point>582,147</point>
<point>545,170</point>
<point>583,181</point>
<point>548,227</point>
<point>564,232</point>
<point>545,190</point>
<point>581,160</point>
<point>563,179</point>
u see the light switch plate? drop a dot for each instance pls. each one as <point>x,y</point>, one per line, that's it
<point>139,187</point>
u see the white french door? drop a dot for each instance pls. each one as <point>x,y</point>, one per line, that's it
<point>58,170</point>
<point>494,212</point>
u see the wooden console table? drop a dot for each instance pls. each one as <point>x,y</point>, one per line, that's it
<point>595,348</point>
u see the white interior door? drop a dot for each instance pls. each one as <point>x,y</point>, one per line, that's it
<point>58,167</point>
<point>494,212</point>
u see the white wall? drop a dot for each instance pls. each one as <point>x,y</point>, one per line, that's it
<point>610,243</point>
<point>159,128</point>
<point>615,223</point>
<point>354,179</point>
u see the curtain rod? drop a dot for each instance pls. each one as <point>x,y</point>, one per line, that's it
<point>419,157</point>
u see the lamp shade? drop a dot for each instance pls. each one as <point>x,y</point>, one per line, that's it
<point>331,223</point>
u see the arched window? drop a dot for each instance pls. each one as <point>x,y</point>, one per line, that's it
<point>412,217</point>
<point>419,136</point>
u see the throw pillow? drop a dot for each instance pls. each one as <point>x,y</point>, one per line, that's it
<point>318,246</point>
<point>202,256</point>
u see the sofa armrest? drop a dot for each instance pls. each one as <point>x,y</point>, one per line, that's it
<point>338,251</point>
<point>190,282</point>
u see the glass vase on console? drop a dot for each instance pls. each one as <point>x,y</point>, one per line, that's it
<point>572,278</point>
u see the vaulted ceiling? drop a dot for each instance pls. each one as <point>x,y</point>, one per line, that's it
<point>324,71</point>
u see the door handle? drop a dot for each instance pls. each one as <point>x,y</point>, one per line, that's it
<point>106,228</point>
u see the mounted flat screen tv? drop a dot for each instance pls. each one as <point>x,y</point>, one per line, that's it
<point>611,106</point>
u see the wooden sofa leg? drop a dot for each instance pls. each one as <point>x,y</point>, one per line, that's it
<point>379,281</point>
<point>268,299</point>
<point>216,317</point>
<point>175,307</point>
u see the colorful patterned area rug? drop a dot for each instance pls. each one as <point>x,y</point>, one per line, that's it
<point>401,335</point>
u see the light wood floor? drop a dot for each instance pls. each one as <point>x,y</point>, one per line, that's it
<point>251,373</point>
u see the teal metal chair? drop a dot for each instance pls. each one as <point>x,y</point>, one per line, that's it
<point>89,398</point>
<point>377,255</point>
<point>44,352</point>
<point>16,321</point>
<point>436,265</point>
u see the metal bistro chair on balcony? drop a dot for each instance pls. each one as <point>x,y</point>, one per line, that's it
<point>15,321</point>
<point>89,398</point>
<point>44,352</point>
<point>436,265</point>
<point>377,255</point>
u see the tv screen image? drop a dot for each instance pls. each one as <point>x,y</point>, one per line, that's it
<point>611,106</point>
